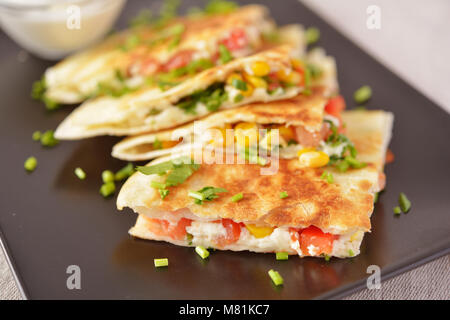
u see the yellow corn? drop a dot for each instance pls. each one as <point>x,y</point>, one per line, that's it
<point>300,152</point>
<point>292,77</point>
<point>313,159</point>
<point>256,82</point>
<point>287,133</point>
<point>259,232</point>
<point>260,68</point>
<point>246,134</point>
<point>249,90</point>
<point>297,63</point>
<point>219,136</point>
<point>233,76</point>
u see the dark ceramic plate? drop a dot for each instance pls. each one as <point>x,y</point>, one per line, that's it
<point>50,219</point>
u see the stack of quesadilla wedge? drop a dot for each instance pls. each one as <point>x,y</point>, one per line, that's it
<point>316,217</point>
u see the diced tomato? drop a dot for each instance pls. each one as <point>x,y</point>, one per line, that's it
<point>179,60</point>
<point>149,66</point>
<point>310,139</point>
<point>323,242</point>
<point>233,230</point>
<point>165,228</point>
<point>335,106</point>
<point>389,156</point>
<point>236,40</point>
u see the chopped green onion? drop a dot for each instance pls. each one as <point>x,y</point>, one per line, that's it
<point>404,202</point>
<point>351,253</point>
<point>202,252</point>
<point>238,98</point>
<point>30,164</point>
<point>225,54</point>
<point>355,163</point>
<point>48,139</point>
<point>158,185</point>
<point>80,173</point>
<point>220,6</point>
<point>163,193</point>
<point>196,195</point>
<point>312,35</point>
<point>397,210</point>
<point>142,18</point>
<point>327,257</point>
<point>276,277</point>
<point>131,42</point>
<point>283,194</point>
<point>237,197</point>
<point>163,262</point>
<point>342,166</point>
<point>282,255</point>
<point>107,176</point>
<point>189,238</point>
<point>328,176</point>
<point>107,189</point>
<point>362,94</point>
<point>125,172</point>
<point>157,144</point>
<point>37,135</point>
<point>239,84</point>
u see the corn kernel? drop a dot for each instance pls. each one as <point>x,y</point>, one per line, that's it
<point>302,151</point>
<point>219,136</point>
<point>287,133</point>
<point>249,91</point>
<point>297,63</point>
<point>289,76</point>
<point>260,68</point>
<point>314,159</point>
<point>259,232</point>
<point>233,76</point>
<point>246,134</point>
<point>256,82</point>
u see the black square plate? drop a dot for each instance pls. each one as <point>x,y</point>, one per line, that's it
<point>50,219</point>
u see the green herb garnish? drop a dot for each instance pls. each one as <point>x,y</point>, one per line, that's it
<point>124,173</point>
<point>107,189</point>
<point>30,164</point>
<point>80,173</point>
<point>237,197</point>
<point>283,194</point>
<point>404,202</point>
<point>144,17</point>
<point>202,252</point>
<point>108,176</point>
<point>225,54</point>
<point>276,277</point>
<point>397,210</point>
<point>328,176</point>
<point>220,6</point>
<point>157,144</point>
<point>312,35</point>
<point>48,139</point>
<point>163,262</point>
<point>239,84</point>
<point>282,256</point>
<point>362,94</point>
<point>206,194</point>
<point>36,135</point>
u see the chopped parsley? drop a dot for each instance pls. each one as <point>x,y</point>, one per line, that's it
<point>176,171</point>
<point>212,97</point>
<point>225,54</point>
<point>206,194</point>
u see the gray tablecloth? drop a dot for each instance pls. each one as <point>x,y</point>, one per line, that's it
<point>413,42</point>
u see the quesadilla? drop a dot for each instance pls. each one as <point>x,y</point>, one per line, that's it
<point>286,126</point>
<point>295,210</point>
<point>149,55</point>
<point>266,76</point>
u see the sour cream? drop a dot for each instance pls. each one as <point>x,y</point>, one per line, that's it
<point>52,29</point>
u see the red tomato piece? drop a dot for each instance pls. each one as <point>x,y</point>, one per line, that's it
<point>335,106</point>
<point>236,40</point>
<point>149,66</point>
<point>179,60</point>
<point>323,242</point>
<point>165,228</point>
<point>233,230</point>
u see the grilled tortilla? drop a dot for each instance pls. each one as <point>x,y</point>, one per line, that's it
<point>316,218</point>
<point>306,111</point>
<point>143,52</point>
<point>222,87</point>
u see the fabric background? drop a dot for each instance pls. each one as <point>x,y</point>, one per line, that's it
<point>413,42</point>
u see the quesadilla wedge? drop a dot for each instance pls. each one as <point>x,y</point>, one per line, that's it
<point>266,76</point>
<point>298,122</point>
<point>151,55</point>
<point>295,210</point>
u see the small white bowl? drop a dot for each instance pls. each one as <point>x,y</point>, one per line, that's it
<point>51,29</point>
